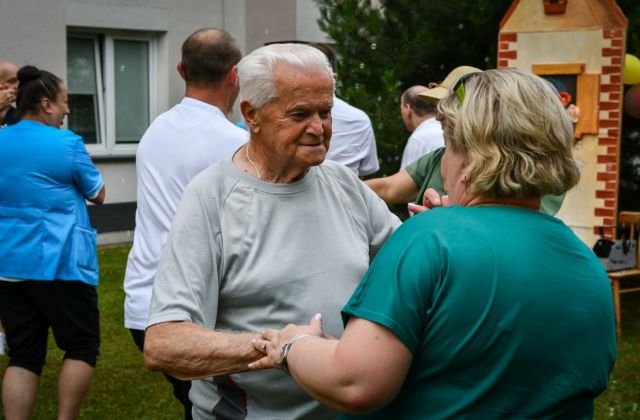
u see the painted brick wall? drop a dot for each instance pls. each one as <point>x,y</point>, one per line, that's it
<point>507,49</point>
<point>610,117</point>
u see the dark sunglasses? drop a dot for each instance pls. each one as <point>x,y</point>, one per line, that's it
<point>459,89</point>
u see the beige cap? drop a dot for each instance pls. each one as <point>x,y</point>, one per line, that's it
<point>439,91</point>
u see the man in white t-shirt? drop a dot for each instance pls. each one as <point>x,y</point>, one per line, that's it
<point>353,142</point>
<point>178,145</point>
<point>419,117</point>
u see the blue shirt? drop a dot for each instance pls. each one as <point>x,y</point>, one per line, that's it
<point>45,233</point>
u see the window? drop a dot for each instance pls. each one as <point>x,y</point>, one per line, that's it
<point>110,79</point>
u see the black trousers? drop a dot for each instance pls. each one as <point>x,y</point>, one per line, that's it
<point>180,388</point>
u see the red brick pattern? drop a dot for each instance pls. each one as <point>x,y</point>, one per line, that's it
<point>610,106</point>
<point>507,49</point>
<point>608,138</point>
<point>508,37</point>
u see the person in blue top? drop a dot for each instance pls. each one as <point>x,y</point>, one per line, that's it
<point>48,259</point>
<point>481,308</point>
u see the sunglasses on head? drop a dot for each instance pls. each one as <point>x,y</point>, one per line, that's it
<point>459,89</point>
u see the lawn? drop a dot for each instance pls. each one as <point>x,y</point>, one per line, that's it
<point>123,388</point>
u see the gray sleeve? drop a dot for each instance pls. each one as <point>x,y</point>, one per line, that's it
<point>186,283</point>
<point>382,222</point>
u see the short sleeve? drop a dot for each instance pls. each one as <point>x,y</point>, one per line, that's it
<point>369,163</point>
<point>187,278</point>
<point>420,169</point>
<point>411,153</point>
<point>426,173</point>
<point>397,291</point>
<point>86,176</point>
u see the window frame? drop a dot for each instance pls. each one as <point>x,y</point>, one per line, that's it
<point>104,51</point>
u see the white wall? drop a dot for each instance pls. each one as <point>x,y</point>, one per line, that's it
<point>307,15</point>
<point>34,32</point>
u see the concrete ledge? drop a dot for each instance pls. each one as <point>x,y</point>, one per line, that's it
<point>115,238</point>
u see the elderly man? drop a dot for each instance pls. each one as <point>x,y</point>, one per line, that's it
<point>8,92</point>
<point>419,118</point>
<point>269,236</point>
<point>178,145</point>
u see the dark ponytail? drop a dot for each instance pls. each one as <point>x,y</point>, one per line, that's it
<point>35,84</point>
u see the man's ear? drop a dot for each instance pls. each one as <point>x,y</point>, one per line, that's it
<point>406,111</point>
<point>232,76</point>
<point>181,71</point>
<point>250,116</point>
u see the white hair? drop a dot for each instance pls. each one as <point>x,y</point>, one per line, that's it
<point>256,71</point>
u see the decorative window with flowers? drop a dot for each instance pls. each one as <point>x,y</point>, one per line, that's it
<point>578,91</point>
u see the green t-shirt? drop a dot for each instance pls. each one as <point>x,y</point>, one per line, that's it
<point>426,174</point>
<point>506,312</point>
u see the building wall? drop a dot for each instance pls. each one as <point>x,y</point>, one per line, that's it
<point>592,203</point>
<point>34,32</point>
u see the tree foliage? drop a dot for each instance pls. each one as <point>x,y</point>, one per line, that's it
<point>386,48</point>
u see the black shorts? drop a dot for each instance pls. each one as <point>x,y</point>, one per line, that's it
<point>29,308</point>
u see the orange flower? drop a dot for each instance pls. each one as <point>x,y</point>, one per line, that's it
<point>565,98</point>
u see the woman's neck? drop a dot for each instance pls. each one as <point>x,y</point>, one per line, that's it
<point>531,203</point>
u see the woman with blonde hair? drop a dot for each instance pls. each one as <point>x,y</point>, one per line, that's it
<point>483,307</point>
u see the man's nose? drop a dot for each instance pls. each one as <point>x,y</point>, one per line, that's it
<point>315,126</point>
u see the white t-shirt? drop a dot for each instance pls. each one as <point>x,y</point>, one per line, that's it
<point>352,143</point>
<point>178,145</point>
<point>426,138</point>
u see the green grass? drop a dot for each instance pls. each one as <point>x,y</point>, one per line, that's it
<point>123,388</point>
<point>622,399</point>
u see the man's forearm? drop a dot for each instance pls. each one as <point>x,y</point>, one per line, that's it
<point>188,351</point>
<point>398,188</point>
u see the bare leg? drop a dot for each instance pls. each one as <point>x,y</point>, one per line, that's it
<point>73,384</point>
<point>19,388</point>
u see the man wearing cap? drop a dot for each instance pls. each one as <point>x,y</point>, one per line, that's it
<point>419,118</point>
<point>409,184</point>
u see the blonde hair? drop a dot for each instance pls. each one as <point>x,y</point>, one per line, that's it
<point>515,133</point>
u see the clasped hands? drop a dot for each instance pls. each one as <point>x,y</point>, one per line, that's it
<point>271,341</point>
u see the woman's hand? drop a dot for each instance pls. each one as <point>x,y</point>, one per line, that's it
<point>431,199</point>
<point>273,340</point>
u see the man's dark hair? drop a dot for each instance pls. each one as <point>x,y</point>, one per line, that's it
<point>36,84</point>
<point>208,55</point>
<point>418,105</point>
<point>329,52</point>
